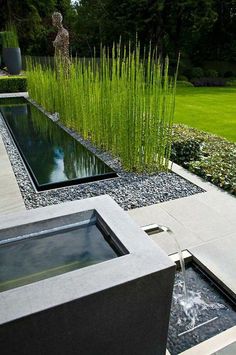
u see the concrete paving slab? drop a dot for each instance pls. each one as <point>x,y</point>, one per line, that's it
<point>228,350</point>
<point>156,215</point>
<point>222,202</point>
<point>10,197</point>
<point>207,186</point>
<point>219,259</point>
<point>192,220</point>
<point>200,218</point>
<point>214,344</point>
<point>205,224</point>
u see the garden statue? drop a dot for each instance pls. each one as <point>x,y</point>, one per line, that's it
<point>61,42</point>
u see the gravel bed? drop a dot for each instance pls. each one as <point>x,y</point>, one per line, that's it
<point>129,190</point>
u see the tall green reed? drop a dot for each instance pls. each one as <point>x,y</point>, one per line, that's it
<point>123,103</point>
<point>10,37</point>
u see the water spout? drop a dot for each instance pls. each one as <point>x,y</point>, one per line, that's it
<point>181,258</point>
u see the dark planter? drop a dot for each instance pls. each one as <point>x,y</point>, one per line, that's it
<point>12,59</point>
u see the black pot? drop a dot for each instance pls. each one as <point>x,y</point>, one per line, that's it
<point>12,59</point>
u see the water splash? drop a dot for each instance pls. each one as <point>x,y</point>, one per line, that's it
<point>192,307</point>
<point>190,303</point>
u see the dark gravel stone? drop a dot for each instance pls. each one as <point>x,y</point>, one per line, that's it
<point>205,313</point>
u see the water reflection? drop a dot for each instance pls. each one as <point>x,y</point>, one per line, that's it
<point>39,258</point>
<point>52,154</point>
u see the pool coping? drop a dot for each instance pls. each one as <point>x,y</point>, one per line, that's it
<point>214,344</point>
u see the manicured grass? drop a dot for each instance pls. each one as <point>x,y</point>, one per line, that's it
<point>209,109</point>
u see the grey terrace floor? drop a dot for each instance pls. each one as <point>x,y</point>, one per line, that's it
<point>10,196</point>
<point>204,224</point>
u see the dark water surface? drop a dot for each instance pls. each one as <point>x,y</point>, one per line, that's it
<point>38,258</point>
<point>52,156</point>
<point>208,313</point>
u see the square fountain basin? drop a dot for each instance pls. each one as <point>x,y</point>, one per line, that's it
<point>121,303</point>
<point>35,256</point>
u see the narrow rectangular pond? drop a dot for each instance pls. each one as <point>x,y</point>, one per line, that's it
<point>52,156</point>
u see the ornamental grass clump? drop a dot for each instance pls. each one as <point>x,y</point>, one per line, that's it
<point>122,103</point>
<point>9,37</point>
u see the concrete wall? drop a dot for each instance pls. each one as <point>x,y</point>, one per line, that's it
<point>116,307</point>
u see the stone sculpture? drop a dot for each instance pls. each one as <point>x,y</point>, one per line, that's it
<point>61,42</point>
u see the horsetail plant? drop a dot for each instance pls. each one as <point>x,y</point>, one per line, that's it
<point>123,103</point>
<point>9,37</point>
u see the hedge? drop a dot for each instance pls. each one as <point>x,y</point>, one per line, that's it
<point>231,83</point>
<point>10,84</point>
<point>208,81</point>
<point>207,155</point>
<point>183,83</point>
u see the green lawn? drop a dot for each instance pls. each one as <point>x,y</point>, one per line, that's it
<point>209,109</point>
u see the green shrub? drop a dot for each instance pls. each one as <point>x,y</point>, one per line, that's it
<point>231,82</point>
<point>181,83</point>
<point>209,156</point>
<point>197,72</point>
<point>182,78</point>
<point>185,145</point>
<point>10,84</point>
<point>228,74</point>
<point>187,73</point>
<point>208,81</point>
<point>211,73</point>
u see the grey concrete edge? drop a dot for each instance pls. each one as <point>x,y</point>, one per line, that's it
<point>144,258</point>
<point>12,94</point>
<point>205,185</point>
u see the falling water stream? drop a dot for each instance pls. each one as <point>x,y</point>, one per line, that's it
<point>182,264</point>
<point>181,259</point>
<point>191,302</point>
<point>199,311</point>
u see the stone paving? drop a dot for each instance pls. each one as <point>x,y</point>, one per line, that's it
<point>204,224</point>
<point>10,196</point>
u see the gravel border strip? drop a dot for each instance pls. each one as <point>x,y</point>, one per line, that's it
<point>129,190</point>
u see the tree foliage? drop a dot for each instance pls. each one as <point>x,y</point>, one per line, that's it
<point>33,21</point>
<point>202,30</point>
